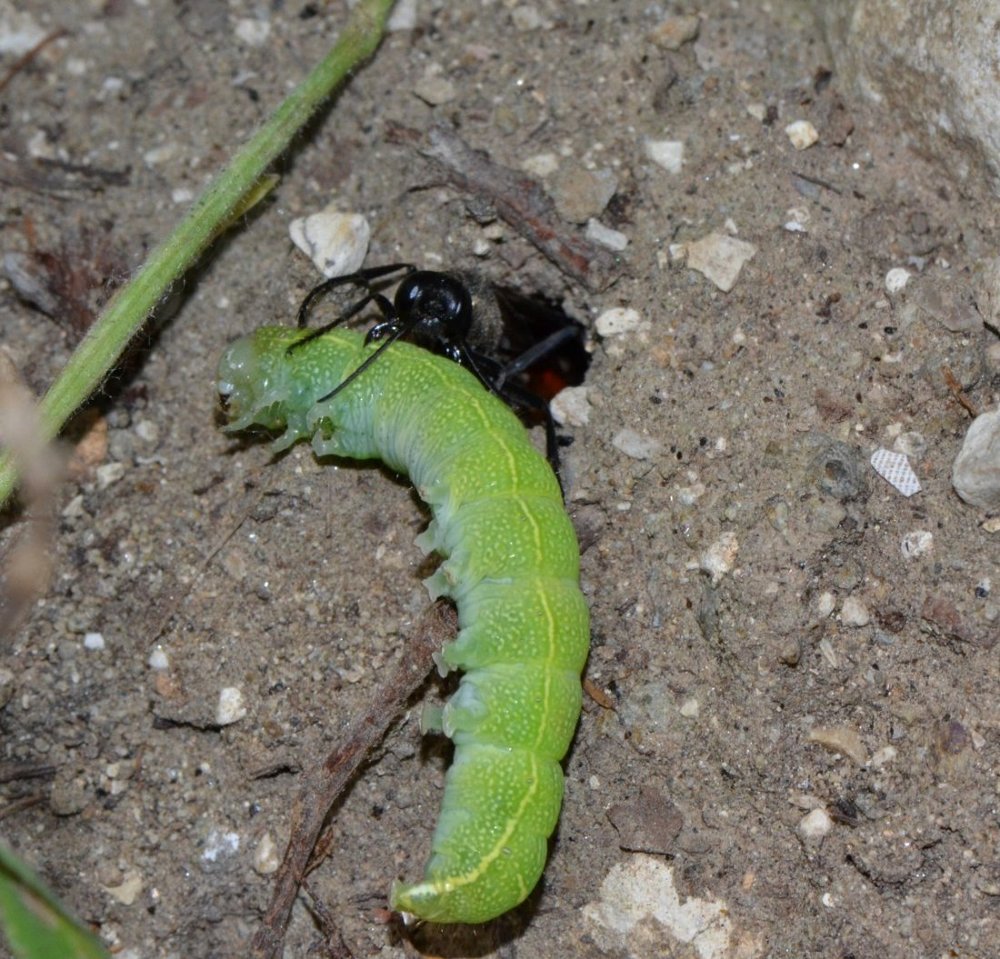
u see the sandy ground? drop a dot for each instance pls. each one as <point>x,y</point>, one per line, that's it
<point>793,747</point>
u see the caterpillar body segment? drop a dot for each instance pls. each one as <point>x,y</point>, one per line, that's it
<point>511,566</point>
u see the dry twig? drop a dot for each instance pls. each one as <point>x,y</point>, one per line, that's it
<point>517,199</point>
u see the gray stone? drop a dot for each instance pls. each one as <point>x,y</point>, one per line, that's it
<point>932,64</point>
<point>976,473</point>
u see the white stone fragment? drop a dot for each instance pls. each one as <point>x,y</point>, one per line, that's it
<point>158,659</point>
<point>854,613</point>
<point>635,445</point>
<point>617,320</point>
<point>798,219</point>
<point>916,543</point>
<point>802,134</point>
<point>976,472</point>
<point>93,641</point>
<point>220,845</point>
<point>253,32</point>
<point>825,604</point>
<point>815,825</point>
<point>403,16</point>
<point>540,164</point>
<point>109,473</point>
<point>720,258</point>
<point>434,88</point>
<point>603,235</point>
<point>720,557</point>
<point>231,708</point>
<point>336,242</point>
<point>896,279</point>
<point>844,740</point>
<point>668,154</point>
<point>571,407</point>
<point>148,431</point>
<point>895,469</point>
<point>526,17</point>
<point>160,154</point>
<point>265,857</point>
<point>690,708</point>
<point>128,891</point>
<point>673,32</point>
<point>640,913</point>
<point>19,31</point>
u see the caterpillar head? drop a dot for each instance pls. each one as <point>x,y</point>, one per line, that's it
<point>258,382</point>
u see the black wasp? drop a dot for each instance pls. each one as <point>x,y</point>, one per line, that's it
<point>522,348</point>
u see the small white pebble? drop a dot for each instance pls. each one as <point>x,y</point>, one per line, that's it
<point>635,445</point>
<point>158,659</point>
<point>840,739</point>
<point>673,32</point>
<point>720,557</point>
<point>815,825</point>
<point>825,604</point>
<point>181,195</point>
<point>571,407</point>
<point>668,154</point>
<point>403,16</point>
<point>690,708</point>
<point>525,18</point>
<point>896,279</point>
<point>147,430</point>
<point>612,240</point>
<point>435,89</point>
<point>541,164</point>
<point>40,147</point>
<point>160,154</point>
<point>798,219</point>
<point>265,857</point>
<point>109,473</point>
<point>336,242</point>
<point>220,845</point>
<point>854,613</point>
<point>802,134</point>
<point>827,651</point>
<point>720,258</point>
<point>253,32</point>
<point>93,641</point>
<point>917,543</point>
<point>689,495</point>
<point>231,706</point>
<point>617,320</point>
<point>128,892</point>
<point>19,31</point>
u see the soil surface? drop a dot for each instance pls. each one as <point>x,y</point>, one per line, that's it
<point>792,741</point>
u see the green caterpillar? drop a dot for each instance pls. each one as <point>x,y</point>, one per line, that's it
<point>512,568</point>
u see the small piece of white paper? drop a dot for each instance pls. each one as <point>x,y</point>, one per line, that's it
<point>895,469</point>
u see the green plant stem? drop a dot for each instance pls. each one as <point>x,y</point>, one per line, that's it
<point>132,304</point>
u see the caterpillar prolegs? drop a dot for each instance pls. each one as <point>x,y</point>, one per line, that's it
<point>511,567</point>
